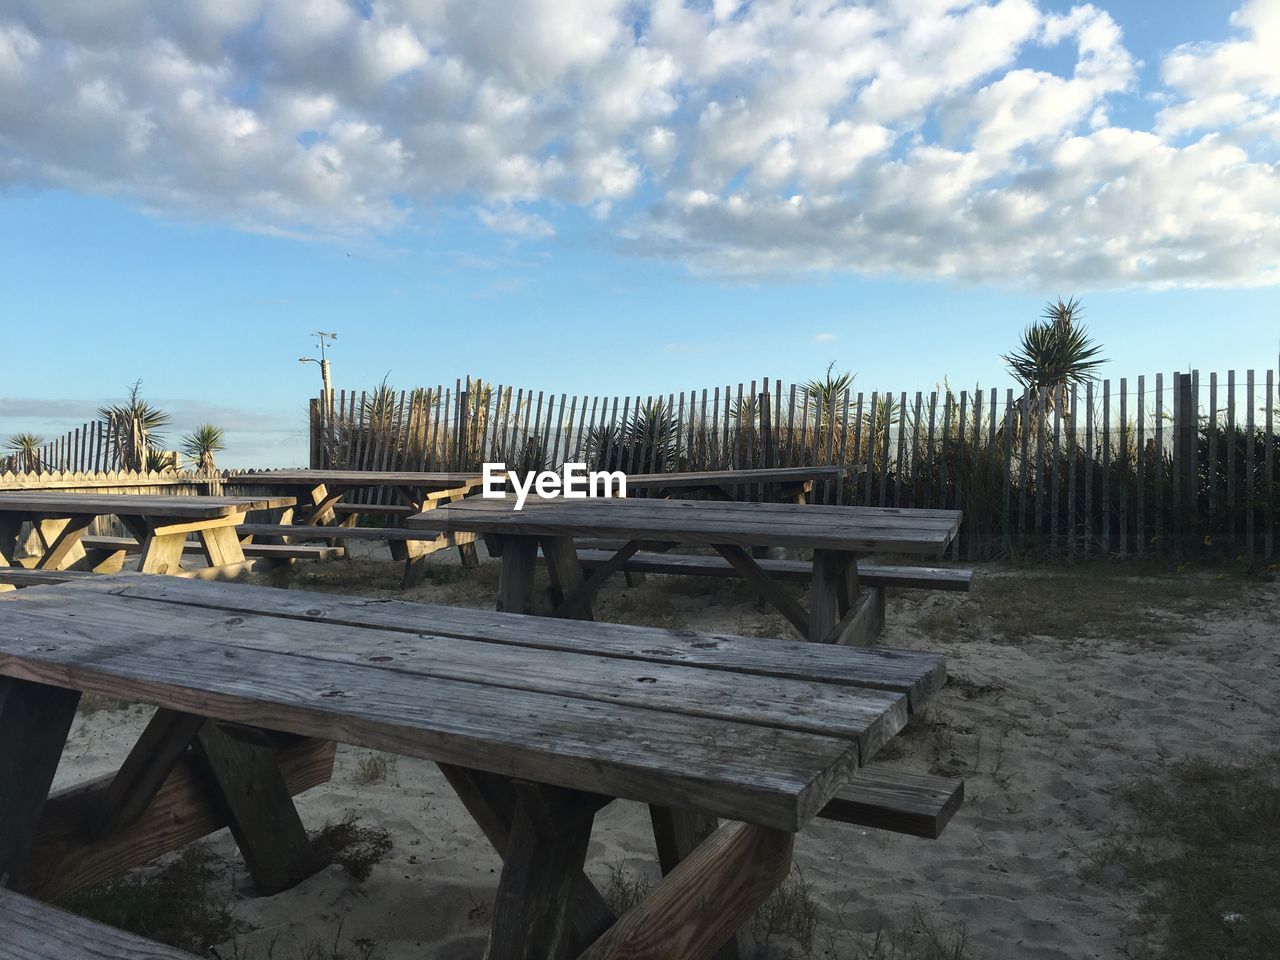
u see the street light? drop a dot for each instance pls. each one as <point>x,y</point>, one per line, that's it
<point>321,338</point>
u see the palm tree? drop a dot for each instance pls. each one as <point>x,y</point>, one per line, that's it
<point>201,444</point>
<point>1055,353</point>
<point>825,395</point>
<point>134,425</point>
<point>25,448</point>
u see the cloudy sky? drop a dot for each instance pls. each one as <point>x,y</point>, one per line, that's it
<point>585,195</point>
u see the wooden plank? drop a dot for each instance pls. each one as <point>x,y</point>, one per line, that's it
<point>566,577</point>
<point>1140,518</point>
<point>743,771</point>
<point>1270,469</point>
<point>1122,495</point>
<point>251,792</point>
<point>862,625</point>
<point>63,859</point>
<point>824,610</point>
<point>149,764</point>
<point>515,587</point>
<point>34,722</point>
<point>698,906</point>
<point>545,851</point>
<point>898,801</point>
<point>30,930</point>
<point>677,834</point>
<point>491,801</point>
<point>1105,437</point>
<point>1250,486</point>
<point>919,675</point>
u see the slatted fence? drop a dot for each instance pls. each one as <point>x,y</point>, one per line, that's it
<point>1114,467</point>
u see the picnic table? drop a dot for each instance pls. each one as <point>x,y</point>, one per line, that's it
<point>840,610</point>
<point>321,494</point>
<point>781,484</point>
<point>537,724</point>
<point>161,525</point>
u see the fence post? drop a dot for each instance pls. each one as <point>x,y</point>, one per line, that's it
<point>317,428</point>
<point>1184,439</point>
<point>460,451</point>
<point>766,432</point>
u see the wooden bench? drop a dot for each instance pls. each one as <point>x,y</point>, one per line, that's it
<point>31,930</point>
<point>109,551</point>
<point>411,546</point>
<point>24,577</point>
<point>869,574</point>
<point>387,509</point>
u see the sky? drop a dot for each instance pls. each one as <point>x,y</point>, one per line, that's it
<point>588,196</point>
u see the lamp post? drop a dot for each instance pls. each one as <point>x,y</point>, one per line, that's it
<point>321,338</point>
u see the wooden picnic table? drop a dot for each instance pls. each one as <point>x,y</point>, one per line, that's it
<point>839,611</point>
<point>320,491</point>
<point>537,724</point>
<point>160,523</point>
<point>782,484</point>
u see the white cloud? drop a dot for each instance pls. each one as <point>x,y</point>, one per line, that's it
<point>825,338</point>
<point>916,137</point>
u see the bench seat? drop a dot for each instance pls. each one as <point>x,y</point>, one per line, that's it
<point>303,532</point>
<point>869,574</point>
<point>390,509</point>
<point>920,805</point>
<point>272,551</point>
<point>31,930</point>
<point>24,577</point>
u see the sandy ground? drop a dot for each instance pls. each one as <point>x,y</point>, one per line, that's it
<point>1063,689</point>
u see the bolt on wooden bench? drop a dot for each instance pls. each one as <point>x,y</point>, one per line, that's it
<point>537,723</point>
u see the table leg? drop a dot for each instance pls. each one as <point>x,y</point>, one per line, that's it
<point>34,722</point>
<point>699,905</point>
<point>519,561</point>
<point>221,545</point>
<point>824,593</point>
<point>61,541</point>
<point>491,801</point>
<point>8,546</point>
<point>251,791</point>
<point>545,851</point>
<point>566,577</point>
<point>678,833</point>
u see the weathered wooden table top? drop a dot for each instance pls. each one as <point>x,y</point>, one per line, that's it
<point>752,730</point>
<point>854,529</point>
<point>733,478</point>
<point>371,478</point>
<point>65,504</point>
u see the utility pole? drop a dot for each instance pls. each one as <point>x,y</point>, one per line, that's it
<point>322,339</point>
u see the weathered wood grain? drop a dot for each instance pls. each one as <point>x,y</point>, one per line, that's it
<point>34,722</point>
<point>62,859</point>
<point>30,930</point>
<point>692,911</point>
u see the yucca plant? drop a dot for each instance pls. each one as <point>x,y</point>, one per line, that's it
<point>135,426</point>
<point>827,395</point>
<point>1055,353</point>
<point>25,448</point>
<point>201,445</point>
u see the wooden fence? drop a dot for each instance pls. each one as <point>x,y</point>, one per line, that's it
<point>1113,467</point>
<point>100,446</point>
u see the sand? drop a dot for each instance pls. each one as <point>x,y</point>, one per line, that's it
<point>1046,729</point>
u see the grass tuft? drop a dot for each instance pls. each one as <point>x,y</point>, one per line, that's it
<point>355,848</point>
<point>177,903</point>
<point>374,768</point>
<point>1207,852</point>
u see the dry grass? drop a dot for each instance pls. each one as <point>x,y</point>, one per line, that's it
<point>374,768</point>
<point>353,847</point>
<point>1093,600</point>
<point>180,903</point>
<point>1206,854</point>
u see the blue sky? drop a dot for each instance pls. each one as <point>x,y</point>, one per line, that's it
<point>194,241</point>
